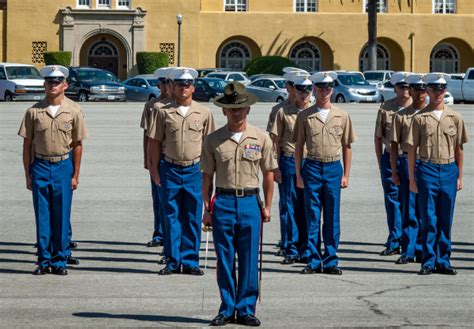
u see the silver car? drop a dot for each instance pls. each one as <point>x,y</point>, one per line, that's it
<point>269,89</point>
<point>387,92</point>
<point>141,88</point>
<point>352,87</point>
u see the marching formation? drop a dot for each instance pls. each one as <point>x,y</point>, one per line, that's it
<point>208,178</point>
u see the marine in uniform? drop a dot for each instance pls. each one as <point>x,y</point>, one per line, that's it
<point>175,151</point>
<point>292,197</point>
<point>411,234</point>
<point>326,131</point>
<point>439,133</point>
<point>382,141</point>
<point>52,131</point>
<point>288,74</point>
<point>148,115</point>
<point>236,153</point>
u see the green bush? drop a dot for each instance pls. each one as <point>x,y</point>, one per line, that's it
<point>148,62</point>
<point>268,65</point>
<point>57,58</point>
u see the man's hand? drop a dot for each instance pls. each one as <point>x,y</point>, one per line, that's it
<point>344,182</point>
<point>459,187</point>
<point>145,164</point>
<point>29,184</point>
<point>299,181</point>
<point>277,176</point>
<point>266,215</point>
<point>74,182</point>
<point>155,176</point>
<point>395,179</point>
<point>413,186</point>
<point>207,220</point>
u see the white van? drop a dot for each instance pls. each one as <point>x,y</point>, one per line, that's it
<point>20,82</point>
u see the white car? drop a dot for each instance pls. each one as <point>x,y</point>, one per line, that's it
<point>377,78</point>
<point>386,93</point>
<point>230,76</point>
<point>20,82</point>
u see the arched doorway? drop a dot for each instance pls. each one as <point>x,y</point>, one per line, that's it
<point>383,58</point>
<point>307,56</point>
<point>444,58</point>
<point>235,55</point>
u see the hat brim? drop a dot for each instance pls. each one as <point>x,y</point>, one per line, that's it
<point>251,99</point>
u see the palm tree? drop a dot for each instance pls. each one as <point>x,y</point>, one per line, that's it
<point>372,28</point>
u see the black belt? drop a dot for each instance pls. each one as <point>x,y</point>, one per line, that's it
<point>237,191</point>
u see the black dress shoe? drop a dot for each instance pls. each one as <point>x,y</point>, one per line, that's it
<point>334,270</point>
<point>288,260</point>
<point>446,271</point>
<point>72,245</point>
<point>404,260</point>
<point>168,271</point>
<point>310,270</point>
<point>154,243</point>
<point>390,252</point>
<point>249,320</point>
<point>72,261</point>
<point>163,260</point>
<point>41,270</point>
<point>280,252</point>
<point>193,271</point>
<point>425,271</point>
<point>59,271</point>
<point>220,320</point>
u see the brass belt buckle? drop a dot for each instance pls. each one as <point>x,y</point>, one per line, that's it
<point>239,192</point>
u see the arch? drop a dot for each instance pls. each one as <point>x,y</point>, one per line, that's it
<point>236,52</point>
<point>312,54</point>
<point>451,54</point>
<point>390,56</point>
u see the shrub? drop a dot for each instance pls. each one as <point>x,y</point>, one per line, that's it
<point>268,65</point>
<point>148,62</point>
<point>57,58</point>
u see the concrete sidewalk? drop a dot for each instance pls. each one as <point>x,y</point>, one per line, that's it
<point>116,284</point>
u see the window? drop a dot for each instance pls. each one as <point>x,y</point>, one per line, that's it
<point>235,56</point>
<point>444,58</point>
<point>38,50</point>
<point>444,6</point>
<point>235,5</point>
<point>306,56</point>
<point>123,4</point>
<point>306,6</point>
<point>381,6</point>
<point>83,3</point>
<point>383,59</point>
<point>103,3</point>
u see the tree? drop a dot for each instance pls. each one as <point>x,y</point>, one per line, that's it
<point>372,28</point>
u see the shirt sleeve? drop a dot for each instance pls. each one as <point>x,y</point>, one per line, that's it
<point>157,128</point>
<point>462,136</point>
<point>278,125</point>
<point>268,161</point>
<point>26,127</point>
<point>299,133</point>
<point>397,121</point>
<point>208,162</point>
<point>211,124</point>
<point>79,130</point>
<point>413,138</point>
<point>271,118</point>
<point>378,124</point>
<point>349,135</point>
<point>145,121</point>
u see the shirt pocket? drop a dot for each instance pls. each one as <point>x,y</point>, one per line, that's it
<point>65,131</point>
<point>195,131</point>
<point>225,161</point>
<point>172,130</point>
<point>41,129</point>
<point>250,161</point>
<point>335,134</point>
<point>451,133</point>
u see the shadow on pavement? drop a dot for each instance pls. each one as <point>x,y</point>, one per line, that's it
<point>141,317</point>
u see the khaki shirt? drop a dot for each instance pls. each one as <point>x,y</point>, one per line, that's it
<point>383,124</point>
<point>182,137</point>
<point>437,140</point>
<point>401,126</point>
<point>284,127</point>
<point>52,136</point>
<point>324,140</point>
<point>236,164</point>
<point>149,111</point>
<point>273,113</point>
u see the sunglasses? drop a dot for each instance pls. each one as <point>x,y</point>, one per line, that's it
<point>324,85</point>
<point>403,87</point>
<point>53,81</point>
<point>304,89</point>
<point>184,83</point>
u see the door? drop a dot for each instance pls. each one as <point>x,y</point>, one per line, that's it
<point>104,55</point>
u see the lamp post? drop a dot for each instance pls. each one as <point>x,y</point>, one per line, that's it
<point>179,20</point>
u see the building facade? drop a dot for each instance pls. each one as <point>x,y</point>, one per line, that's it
<point>413,35</point>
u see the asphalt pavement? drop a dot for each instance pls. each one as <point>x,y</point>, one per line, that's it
<point>116,283</point>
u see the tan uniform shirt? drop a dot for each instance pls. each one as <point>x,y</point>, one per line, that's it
<point>284,127</point>
<point>324,140</point>
<point>149,111</point>
<point>237,164</point>
<point>437,140</point>
<point>273,113</point>
<point>383,124</point>
<point>52,136</point>
<point>401,126</point>
<point>182,137</point>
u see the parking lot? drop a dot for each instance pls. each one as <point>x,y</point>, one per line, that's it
<point>116,284</point>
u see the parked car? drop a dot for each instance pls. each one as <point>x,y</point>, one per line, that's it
<point>377,77</point>
<point>271,89</point>
<point>141,88</point>
<point>203,72</point>
<point>463,89</point>
<point>263,75</point>
<point>230,76</point>
<point>90,84</point>
<point>352,87</point>
<point>386,93</point>
<point>20,82</point>
<point>208,88</point>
